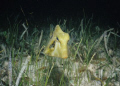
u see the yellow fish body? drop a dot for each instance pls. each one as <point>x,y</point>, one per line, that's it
<point>57,45</point>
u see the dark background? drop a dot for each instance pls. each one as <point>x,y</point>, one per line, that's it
<point>105,11</point>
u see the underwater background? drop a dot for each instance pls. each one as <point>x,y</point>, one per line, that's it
<point>36,34</point>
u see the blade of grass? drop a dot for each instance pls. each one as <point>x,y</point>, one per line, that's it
<point>49,75</point>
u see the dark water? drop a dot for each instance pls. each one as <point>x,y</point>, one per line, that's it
<point>106,12</point>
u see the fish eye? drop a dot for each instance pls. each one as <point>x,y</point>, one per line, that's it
<point>57,38</point>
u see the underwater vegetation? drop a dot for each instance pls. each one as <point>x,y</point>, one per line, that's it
<point>62,54</point>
